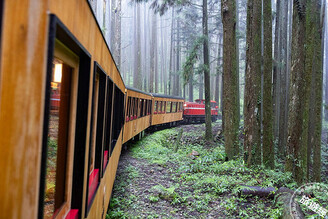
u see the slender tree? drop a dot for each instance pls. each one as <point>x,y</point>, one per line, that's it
<point>230,79</point>
<point>137,79</point>
<point>276,76</point>
<point>268,149</point>
<point>208,121</point>
<point>253,99</point>
<point>153,46</point>
<point>117,50</point>
<point>282,71</point>
<point>296,106</point>
<point>314,25</point>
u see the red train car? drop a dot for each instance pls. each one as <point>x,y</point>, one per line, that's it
<point>195,111</point>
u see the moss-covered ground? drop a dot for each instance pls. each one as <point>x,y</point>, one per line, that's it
<point>153,181</point>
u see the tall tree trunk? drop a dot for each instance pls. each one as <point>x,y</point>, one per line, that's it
<point>252,100</point>
<point>201,87</point>
<point>163,56</point>
<point>314,27</point>
<point>326,65</point>
<point>170,86</point>
<point>237,58</point>
<point>282,138</point>
<point>152,51</point>
<point>268,149</point>
<point>230,79</point>
<point>208,120</point>
<point>112,24</point>
<point>177,69</point>
<point>154,38</point>
<point>296,106</point>
<point>145,47</point>
<point>276,76</point>
<point>191,88</point>
<point>137,82</point>
<point>117,51</point>
<point>218,71</point>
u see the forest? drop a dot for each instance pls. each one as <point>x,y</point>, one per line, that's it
<point>263,61</point>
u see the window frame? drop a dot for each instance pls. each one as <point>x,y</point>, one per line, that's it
<point>57,30</point>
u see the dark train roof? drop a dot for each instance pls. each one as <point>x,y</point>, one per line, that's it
<point>167,96</point>
<point>137,90</point>
<point>154,94</point>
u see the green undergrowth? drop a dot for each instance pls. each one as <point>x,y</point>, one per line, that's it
<point>194,182</point>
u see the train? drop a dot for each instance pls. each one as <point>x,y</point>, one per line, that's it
<point>195,111</point>
<point>65,111</point>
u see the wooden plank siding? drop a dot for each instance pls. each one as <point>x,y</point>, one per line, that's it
<point>23,70</point>
<point>162,118</point>
<point>22,86</point>
<point>134,127</point>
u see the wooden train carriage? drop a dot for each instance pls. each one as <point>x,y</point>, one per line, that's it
<point>137,112</point>
<point>59,91</point>
<point>166,109</point>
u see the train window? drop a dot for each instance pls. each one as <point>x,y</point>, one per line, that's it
<point>131,108</point>
<point>108,120</point>
<point>174,107</point>
<point>118,119</point>
<point>61,132</point>
<point>213,105</point>
<point>155,106</point>
<point>94,122</point>
<point>159,106</point>
<point>141,107</point>
<point>97,134</point>
<point>168,106</point>
<point>128,109</point>
<point>136,108</point>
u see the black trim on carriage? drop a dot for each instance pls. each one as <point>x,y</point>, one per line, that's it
<point>137,90</point>
<point>167,96</point>
<point>1,15</point>
<point>57,30</point>
<point>44,151</point>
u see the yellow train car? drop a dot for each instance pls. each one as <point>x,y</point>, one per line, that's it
<point>59,139</point>
<point>166,109</point>
<point>64,111</point>
<point>137,113</point>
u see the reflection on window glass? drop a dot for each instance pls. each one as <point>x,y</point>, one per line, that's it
<point>58,138</point>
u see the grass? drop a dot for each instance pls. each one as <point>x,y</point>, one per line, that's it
<point>162,183</point>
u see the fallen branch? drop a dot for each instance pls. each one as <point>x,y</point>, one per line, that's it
<point>258,191</point>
